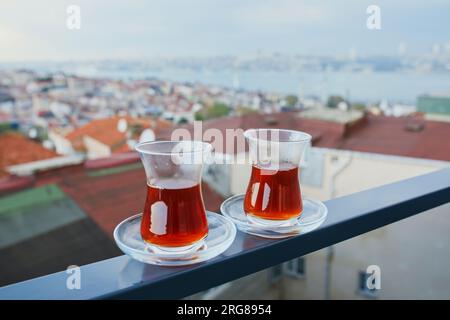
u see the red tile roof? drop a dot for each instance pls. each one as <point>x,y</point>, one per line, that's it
<point>389,135</point>
<point>324,133</point>
<point>5,117</point>
<point>16,149</point>
<point>376,134</point>
<point>105,131</point>
<point>10,184</point>
<point>110,198</point>
<point>112,161</point>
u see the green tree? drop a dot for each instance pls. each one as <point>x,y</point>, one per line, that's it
<point>358,106</point>
<point>333,101</point>
<point>217,110</point>
<point>241,110</point>
<point>291,100</point>
<point>199,116</point>
<point>183,121</point>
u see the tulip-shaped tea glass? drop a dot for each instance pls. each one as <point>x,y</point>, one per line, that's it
<point>174,217</point>
<point>273,194</point>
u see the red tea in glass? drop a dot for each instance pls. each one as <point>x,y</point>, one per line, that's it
<point>274,194</point>
<point>174,214</point>
<point>174,217</point>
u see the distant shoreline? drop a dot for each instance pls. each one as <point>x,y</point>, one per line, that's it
<point>361,86</point>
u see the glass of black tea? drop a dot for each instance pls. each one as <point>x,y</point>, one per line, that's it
<point>174,217</point>
<point>273,195</point>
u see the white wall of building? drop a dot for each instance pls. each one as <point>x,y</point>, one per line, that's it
<point>95,149</point>
<point>62,145</point>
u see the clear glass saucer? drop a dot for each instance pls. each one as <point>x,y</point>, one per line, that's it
<point>220,236</point>
<point>313,215</point>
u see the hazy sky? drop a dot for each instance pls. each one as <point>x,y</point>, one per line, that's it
<point>36,30</point>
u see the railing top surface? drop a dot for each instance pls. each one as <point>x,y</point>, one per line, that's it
<point>348,216</point>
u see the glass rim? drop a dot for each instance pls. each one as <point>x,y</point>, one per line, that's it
<point>305,137</point>
<point>205,147</point>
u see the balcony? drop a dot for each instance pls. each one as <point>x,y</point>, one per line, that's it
<point>348,217</point>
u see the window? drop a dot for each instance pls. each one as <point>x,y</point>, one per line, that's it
<point>275,274</point>
<point>295,268</point>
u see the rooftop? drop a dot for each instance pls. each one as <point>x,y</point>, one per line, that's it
<point>402,136</point>
<point>99,193</point>
<point>96,190</point>
<point>106,131</point>
<point>56,224</point>
<point>16,149</point>
<point>333,115</point>
<point>69,208</point>
<point>324,133</point>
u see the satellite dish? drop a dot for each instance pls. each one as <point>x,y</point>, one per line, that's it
<point>122,125</point>
<point>147,135</point>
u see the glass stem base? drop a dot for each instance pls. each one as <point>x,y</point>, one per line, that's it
<point>268,223</point>
<point>179,250</point>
